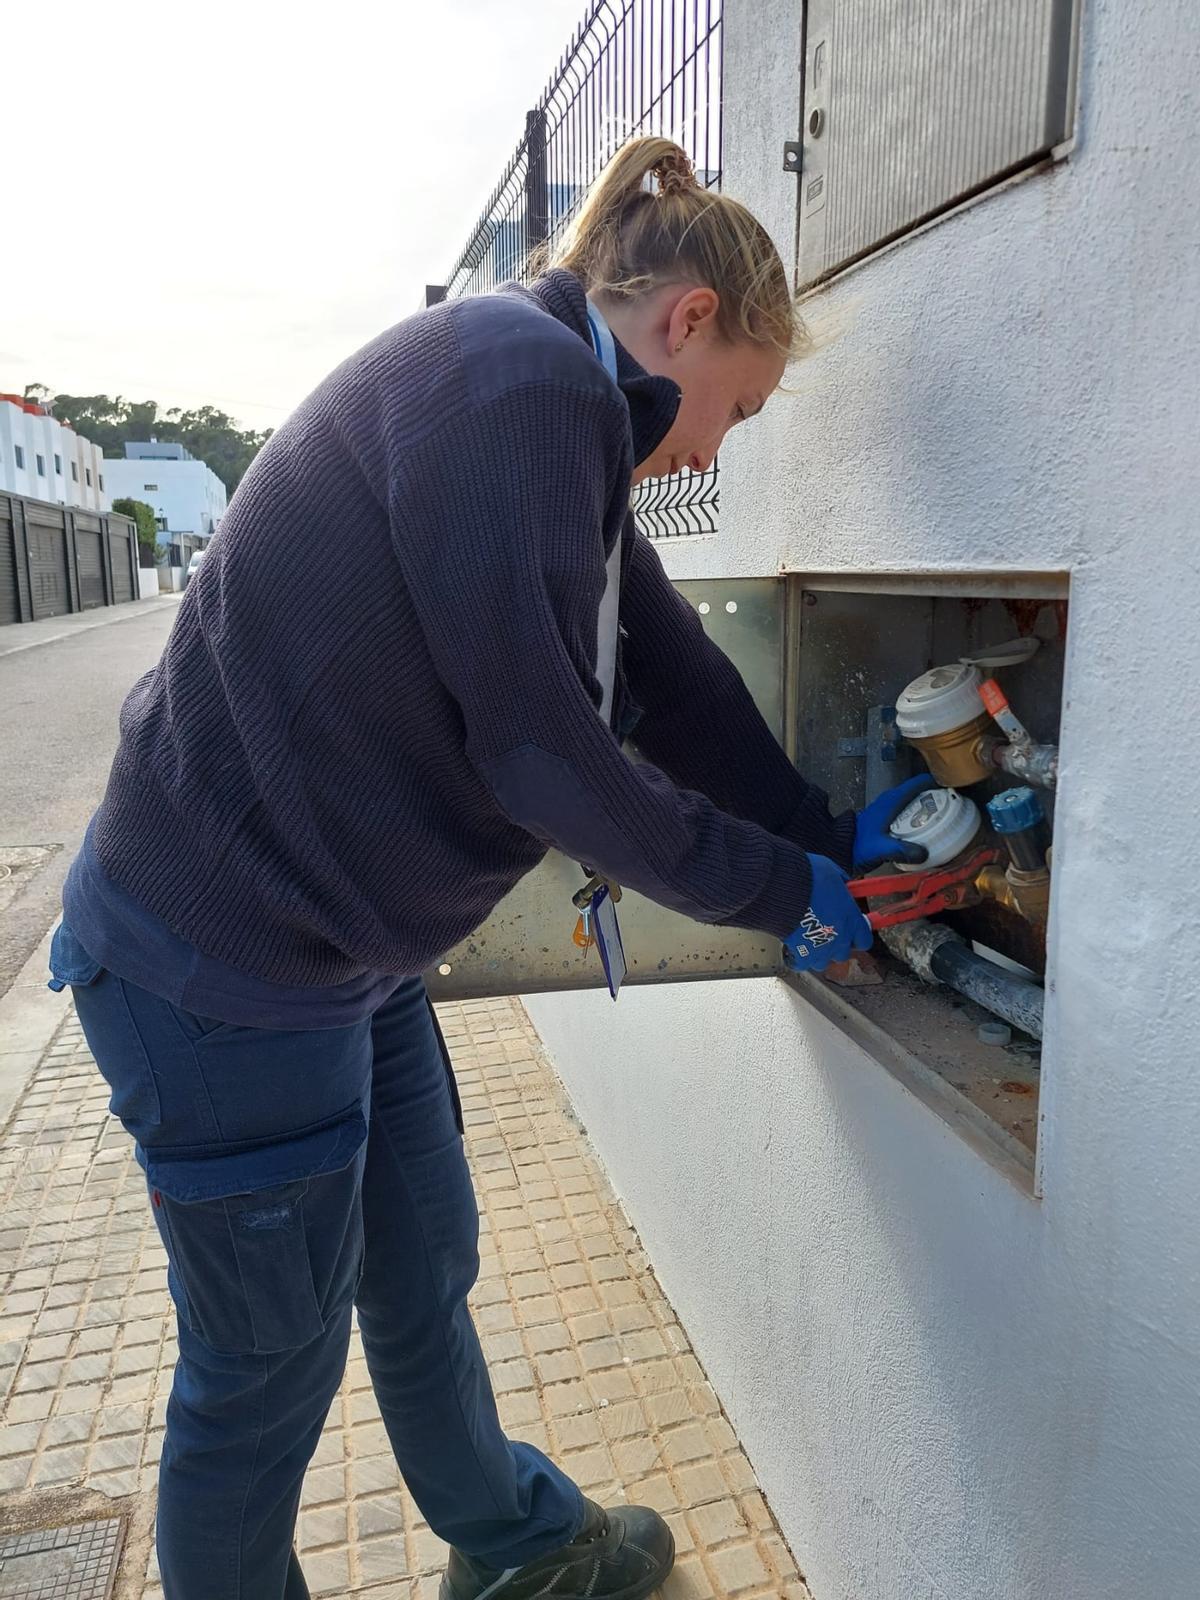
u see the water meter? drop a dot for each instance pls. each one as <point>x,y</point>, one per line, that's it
<point>942,820</point>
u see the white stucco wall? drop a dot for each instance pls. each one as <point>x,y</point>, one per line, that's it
<point>188,493</point>
<point>39,435</point>
<point>951,1389</point>
<point>13,478</point>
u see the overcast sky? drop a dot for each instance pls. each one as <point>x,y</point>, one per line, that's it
<point>215,204</point>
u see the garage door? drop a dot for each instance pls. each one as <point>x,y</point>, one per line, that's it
<point>48,570</point>
<point>10,605</point>
<point>122,571</point>
<point>90,553</point>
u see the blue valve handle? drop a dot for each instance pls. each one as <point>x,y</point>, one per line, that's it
<point>1016,810</point>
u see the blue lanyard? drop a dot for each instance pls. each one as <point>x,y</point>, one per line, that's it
<point>610,604</point>
<point>602,341</point>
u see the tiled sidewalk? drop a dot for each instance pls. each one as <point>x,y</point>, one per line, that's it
<point>588,1360</point>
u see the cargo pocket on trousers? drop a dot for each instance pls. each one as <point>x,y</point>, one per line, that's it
<point>264,1245</point>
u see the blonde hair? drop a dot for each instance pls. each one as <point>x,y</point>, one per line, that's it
<point>630,237</point>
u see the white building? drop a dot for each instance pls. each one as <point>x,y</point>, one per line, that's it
<point>186,494</point>
<point>47,460</point>
<point>962,1377</point>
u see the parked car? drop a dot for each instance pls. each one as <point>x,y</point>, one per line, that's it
<point>193,566</point>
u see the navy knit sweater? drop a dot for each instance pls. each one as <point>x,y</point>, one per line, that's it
<point>377,706</point>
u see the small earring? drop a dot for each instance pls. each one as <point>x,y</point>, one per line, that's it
<point>679,347</point>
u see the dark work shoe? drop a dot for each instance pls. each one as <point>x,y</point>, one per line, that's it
<point>622,1554</point>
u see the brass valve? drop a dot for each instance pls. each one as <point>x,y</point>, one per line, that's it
<point>1025,892</point>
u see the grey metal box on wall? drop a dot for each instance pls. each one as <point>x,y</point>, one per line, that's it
<point>910,106</point>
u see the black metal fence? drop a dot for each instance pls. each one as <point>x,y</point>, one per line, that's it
<point>633,67</point>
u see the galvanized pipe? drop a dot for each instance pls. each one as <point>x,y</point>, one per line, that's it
<point>1032,763</point>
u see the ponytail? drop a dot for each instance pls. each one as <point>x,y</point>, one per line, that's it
<point>646,221</point>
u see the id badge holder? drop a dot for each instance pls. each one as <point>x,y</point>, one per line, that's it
<point>597,925</point>
<point>607,934</point>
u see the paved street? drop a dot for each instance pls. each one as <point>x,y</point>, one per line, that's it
<point>59,701</point>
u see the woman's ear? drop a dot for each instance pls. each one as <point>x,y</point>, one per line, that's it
<point>694,313</point>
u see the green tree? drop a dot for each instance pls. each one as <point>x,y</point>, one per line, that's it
<point>111,421</point>
<point>215,438</point>
<point>143,516</point>
<point>148,527</point>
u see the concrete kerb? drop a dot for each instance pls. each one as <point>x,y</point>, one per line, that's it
<point>30,1016</point>
<point>28,635</point>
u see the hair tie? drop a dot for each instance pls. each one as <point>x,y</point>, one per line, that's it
<point>675,174</point>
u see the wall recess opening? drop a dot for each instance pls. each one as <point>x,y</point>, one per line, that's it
<point>961,678</point>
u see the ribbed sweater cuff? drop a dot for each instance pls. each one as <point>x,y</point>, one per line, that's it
<point>785,896</point>
<point>787,893</point>
<point>813,828</point>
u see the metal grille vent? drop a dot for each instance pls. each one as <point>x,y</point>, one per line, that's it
<point>911,105</point>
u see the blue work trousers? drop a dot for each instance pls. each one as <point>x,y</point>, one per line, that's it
<point>293,1176</point>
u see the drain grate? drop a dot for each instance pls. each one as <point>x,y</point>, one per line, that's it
<point>78,1562</point>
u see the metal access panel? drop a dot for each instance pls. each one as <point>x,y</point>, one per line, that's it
<point>49,573</point>
<point>89,556</point>
<point>910,106</point>
<point>10,579</point>
<point>525,946</point>
<point>73,1562</point>
<point>122,554</point>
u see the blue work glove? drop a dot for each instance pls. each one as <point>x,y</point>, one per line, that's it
<point>873,843</point>
<point>833,925</point>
